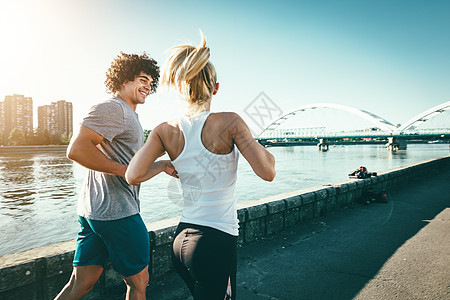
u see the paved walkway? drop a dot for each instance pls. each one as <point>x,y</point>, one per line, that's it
<point>398,250</point>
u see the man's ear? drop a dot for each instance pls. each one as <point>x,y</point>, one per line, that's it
<point>216,88</point>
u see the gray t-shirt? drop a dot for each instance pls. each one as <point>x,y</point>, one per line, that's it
<point>103,196</point>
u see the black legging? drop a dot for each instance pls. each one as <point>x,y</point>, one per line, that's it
<point>205,258</point>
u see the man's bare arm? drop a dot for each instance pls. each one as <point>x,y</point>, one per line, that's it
<point>83,150</point>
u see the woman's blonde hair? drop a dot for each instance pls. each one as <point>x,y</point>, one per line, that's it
<point>188,68</point>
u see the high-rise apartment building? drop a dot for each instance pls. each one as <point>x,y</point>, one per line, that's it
<point>16,112</point>
<point>44,118</point>
<point>56,118</point>
<point>2,122</point>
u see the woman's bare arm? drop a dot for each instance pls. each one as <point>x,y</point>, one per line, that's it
<point>261,160</point>
<point>142,166</point>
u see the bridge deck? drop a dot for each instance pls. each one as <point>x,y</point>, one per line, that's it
<point>318,134</point>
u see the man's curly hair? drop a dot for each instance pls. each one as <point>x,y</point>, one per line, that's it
<point>127,66</point>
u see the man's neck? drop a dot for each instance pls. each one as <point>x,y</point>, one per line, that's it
<point>131,104</point>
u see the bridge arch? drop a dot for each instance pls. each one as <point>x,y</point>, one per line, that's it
<point>380,122</point>
<point>425,116</point>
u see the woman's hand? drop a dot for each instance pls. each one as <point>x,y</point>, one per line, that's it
<point>170,169</point>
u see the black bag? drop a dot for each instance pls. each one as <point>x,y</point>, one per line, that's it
<point>361,173</point>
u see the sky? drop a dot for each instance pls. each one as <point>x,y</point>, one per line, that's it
<point>388,57</point>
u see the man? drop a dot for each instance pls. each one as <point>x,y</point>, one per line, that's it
<point>108,207</point>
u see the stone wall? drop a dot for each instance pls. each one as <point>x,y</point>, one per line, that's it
<point>41,273</point>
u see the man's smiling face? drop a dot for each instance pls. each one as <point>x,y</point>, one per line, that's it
<point>135,92</point>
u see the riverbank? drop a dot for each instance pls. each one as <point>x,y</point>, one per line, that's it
<point>40,273</point>
<point>63,148</point>
<point>32,149</point>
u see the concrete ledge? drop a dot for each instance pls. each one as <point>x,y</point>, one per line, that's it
<point>41,273</point>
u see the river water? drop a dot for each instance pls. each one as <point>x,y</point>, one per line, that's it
<point>39,192</point>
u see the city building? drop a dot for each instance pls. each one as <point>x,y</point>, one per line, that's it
<point>56,118</point>
<point>16,112</point>
<point>2,122</point>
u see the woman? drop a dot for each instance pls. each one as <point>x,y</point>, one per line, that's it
<point>202,148</point>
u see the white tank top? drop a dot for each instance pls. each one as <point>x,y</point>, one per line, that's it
<point>207,179</point>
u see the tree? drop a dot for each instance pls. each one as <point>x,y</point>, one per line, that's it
<point>2,136</point>
<point>43,137</point>
<point>16,137</point>
<point>65,140</point>
<point>55,139</point>
<point>33,138</point>
<point>146,134</point>
<point>28,138</point>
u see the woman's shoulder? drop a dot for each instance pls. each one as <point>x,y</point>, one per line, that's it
<point>226,116</point>
<point>230,120</point>
<point>167,126</point>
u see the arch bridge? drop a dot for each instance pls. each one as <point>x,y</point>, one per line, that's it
<point>381,127</point>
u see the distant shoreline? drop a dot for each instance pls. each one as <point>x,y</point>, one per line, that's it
<point>63,148</point>
<point>32,149</point>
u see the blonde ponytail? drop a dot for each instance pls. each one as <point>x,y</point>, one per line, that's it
<point>188,68</point>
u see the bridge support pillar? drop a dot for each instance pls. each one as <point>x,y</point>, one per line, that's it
<point>395,143</point>
<point>323,145</point>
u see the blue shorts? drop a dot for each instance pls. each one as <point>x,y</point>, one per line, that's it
<point>125,241</point>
